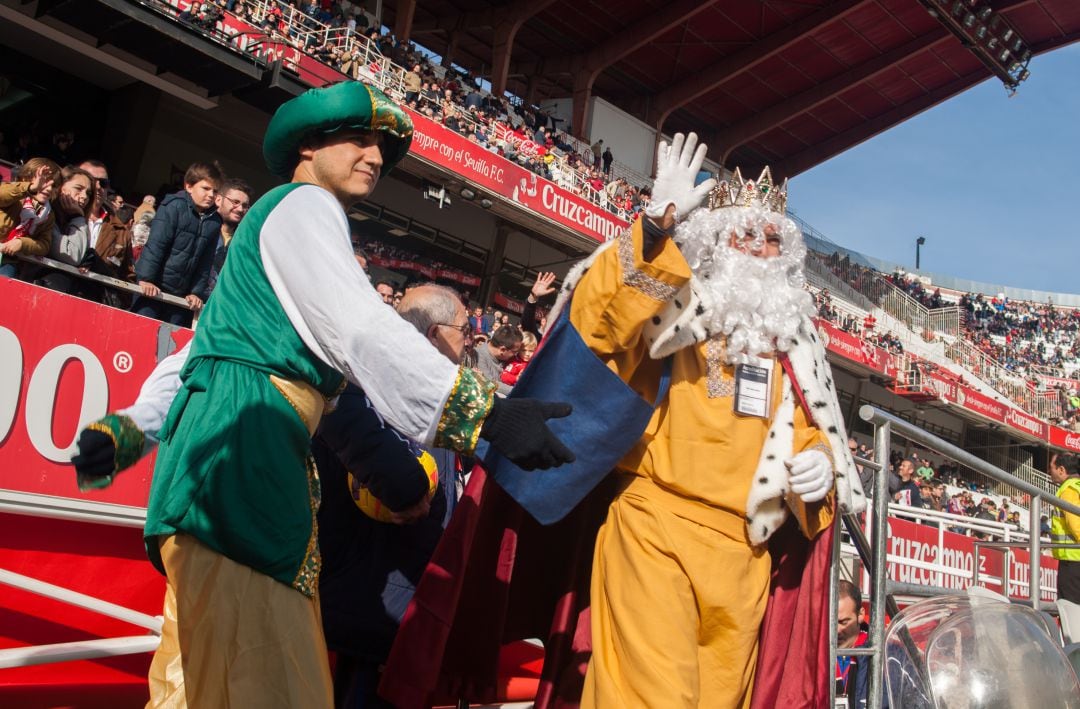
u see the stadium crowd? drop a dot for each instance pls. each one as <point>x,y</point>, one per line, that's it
<point>342,35</point>
<point>916,481</point>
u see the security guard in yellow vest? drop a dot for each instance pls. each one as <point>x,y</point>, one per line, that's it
<point>1064,526</point>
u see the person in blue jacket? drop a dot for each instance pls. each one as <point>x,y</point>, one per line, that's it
<point>179,255</point>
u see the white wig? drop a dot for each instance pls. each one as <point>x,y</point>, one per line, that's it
<point>757,303</point>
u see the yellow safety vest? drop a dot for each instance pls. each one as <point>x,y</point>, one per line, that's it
<point>1058,532</point>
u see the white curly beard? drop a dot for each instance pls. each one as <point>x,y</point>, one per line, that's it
<point>757,303</point>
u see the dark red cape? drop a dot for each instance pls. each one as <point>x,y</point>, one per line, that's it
<point>499,576</point>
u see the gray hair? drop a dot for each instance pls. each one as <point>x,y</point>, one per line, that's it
<point>428,305</point>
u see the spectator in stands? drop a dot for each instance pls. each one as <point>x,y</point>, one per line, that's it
<point>140,228</point>
<point>233,202</point>
<point>1065,526</point>
<point>479,321</point>
<point>180,253</point>
<point>541,287</point>
<point>412,85</point>
<point>504,345</point>
<point>371,568</point>
<point>115,250</point>
<point>607,158</point>
<point>71,235</point>
<point>62,143</point>
<point>935,496</point>
<point>26,216</point>
<point>908,494</point>
<point>866,474</point>
<point>925,471</point>
<point>597,148</point>
<point>987,510</point>
<point>513,369</point>
<point>99,210</point>
<point>385,291</point>
<point>852,672</point>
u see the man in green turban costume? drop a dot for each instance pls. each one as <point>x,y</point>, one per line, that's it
<point>231,517</point>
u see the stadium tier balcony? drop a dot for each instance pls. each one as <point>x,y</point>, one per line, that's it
<point>266,51</point>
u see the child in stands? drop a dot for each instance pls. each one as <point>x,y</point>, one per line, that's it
<point>516,366</point>
<point>26,217</point>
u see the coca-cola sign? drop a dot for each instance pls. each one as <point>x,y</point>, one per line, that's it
<point>90,359</point>
<point>1061,438</point>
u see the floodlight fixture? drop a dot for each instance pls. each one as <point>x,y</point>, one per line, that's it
<point>988,34</point>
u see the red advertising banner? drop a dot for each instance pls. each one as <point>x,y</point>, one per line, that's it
<point>1028,423</point>
<point>1061,438</point>
<point>1054,382</point>
<point>855,349</point>
<point>484,168</point>
<point>514,306</point>
<point>88,360</point>
<point>948,561</point>
<point>981,404</point>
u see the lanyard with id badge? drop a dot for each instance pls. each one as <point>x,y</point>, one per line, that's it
<point>753,387</point>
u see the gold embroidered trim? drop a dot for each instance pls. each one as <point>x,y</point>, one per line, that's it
<point>466,408</point>
<point>307,576</point>
<point>718,383</point>
<point>827,450</point>
<point>305,400</point>
<point>637,279</point>
<point>128,439</point>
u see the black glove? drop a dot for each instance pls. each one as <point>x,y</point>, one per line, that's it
<point>516,428</point>
<point>96,456</point>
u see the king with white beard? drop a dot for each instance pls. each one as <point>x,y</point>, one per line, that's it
<point>743,466</point>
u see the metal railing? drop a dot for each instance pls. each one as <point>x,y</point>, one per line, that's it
<point>873,552</point>
<point>114,283</point>
<point>83,649</point>
<point>1007,547</point>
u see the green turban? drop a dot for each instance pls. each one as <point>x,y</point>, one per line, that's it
<point>350,104</point>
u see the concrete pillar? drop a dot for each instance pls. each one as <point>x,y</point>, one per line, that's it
<point>501,51</point>
<point>403,22</point>
<point>579,119</point>
<point>489,283</point>
<point>132,113</point>
<point>532,89</point>
<point>451,48</point>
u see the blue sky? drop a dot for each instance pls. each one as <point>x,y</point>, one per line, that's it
<point>992,182</point>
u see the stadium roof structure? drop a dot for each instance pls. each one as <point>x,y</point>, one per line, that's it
<point>789,83</point>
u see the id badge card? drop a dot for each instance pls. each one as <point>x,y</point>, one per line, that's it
<point>753,387</point>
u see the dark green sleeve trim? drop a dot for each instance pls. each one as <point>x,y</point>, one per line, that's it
<point>127,438</point>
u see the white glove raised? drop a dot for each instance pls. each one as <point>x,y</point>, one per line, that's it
<point>677,166</point>
<point>810,475</point>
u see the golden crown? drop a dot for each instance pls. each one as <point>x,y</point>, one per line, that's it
<point>761,192</point>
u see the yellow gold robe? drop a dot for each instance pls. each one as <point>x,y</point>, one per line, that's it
<point>678,592</point>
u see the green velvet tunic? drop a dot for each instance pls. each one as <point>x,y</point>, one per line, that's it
<point>233,468</point>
